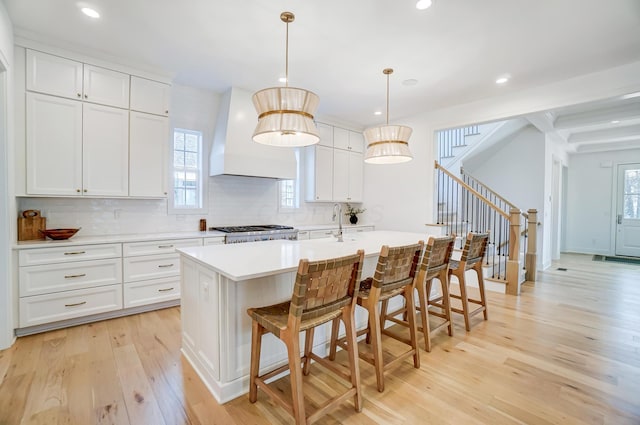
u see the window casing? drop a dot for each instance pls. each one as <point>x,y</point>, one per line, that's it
<point>186,172</point>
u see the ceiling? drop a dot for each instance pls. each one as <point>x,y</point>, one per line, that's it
<point>454,50</point>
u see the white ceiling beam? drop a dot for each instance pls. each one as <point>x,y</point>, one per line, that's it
<point>630,111</point>
<point>612,146</point>
<point>629,132</point>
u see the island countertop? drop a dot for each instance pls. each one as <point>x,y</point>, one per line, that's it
<point>257,259</point>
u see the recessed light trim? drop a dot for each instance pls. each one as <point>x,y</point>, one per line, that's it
<point>282,79</point>
<point>502,80</point>
<point>423,4</point>
<point>377,113</point>
<point>92,13</point>
<point>615,122</point>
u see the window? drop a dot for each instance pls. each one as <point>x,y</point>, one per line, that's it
<point>289,190</point>
<point>632,194</point>
<point>187,169</point>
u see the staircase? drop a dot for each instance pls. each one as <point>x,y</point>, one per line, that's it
<point>465,204</point>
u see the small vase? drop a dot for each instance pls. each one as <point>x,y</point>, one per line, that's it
<point>353,219</point>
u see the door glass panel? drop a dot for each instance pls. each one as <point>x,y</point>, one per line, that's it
<point>631,194</point>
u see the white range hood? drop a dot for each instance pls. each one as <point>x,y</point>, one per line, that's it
<point>235,153</point>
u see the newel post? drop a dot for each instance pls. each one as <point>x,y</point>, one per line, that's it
<point>513,263</point>
<point>531,257</point>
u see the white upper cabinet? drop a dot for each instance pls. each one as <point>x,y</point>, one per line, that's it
<point>347,176</point>
<point>347,140</point>
<point>148,141</point>
<point>319,171</point>
<point>54,145</point>
<point>106,87</point>
<point>326,134</point>
<point>63,77</point>
<point>105,151</point>
<point>54,75</point>
<point>149,96</point>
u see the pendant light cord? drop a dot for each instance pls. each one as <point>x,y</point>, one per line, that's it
<point>387,99</point>
<point>286,61</point>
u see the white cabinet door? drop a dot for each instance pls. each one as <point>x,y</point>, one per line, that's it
<point>148,143</point>
<point>149,96</point>
<point>105,151</point>
<point>106,87</point>
<point>340,175</point>
<point>356,141</point>
<point>54,145</point>
<point>356,171</point>
<point>347,176</point>
<point>319,173</point>
<point>340,138</point>
<point>326,134</point>
<point>53,75</point>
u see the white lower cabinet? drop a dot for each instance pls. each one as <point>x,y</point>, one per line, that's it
<point>151,291</point>
<point>40,309</point>
<point>151,270</point>
<point>62,283</point>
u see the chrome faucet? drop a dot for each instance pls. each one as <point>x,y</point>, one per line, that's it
<point>338,207</point>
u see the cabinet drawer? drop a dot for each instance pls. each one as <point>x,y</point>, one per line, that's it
<point>41,309</point>
<point>151,267</point>
<point>131,249</point>
<point>219,240</point>
<point>151,291</point>
<point>317,234</point>
<point>35,280</point>
<point>359,229</point>
<point>67,254</point>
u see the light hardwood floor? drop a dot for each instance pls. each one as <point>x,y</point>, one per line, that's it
<point>567,351</point>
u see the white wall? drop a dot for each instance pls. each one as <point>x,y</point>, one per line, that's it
<point>415,179</point>
<point>7,295</point>
<point>591,200</point>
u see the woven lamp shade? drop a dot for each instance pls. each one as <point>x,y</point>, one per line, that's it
<point>387,144</point>
<point>285,117</point>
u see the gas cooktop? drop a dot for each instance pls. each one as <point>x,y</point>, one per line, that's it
<point>253,228</point>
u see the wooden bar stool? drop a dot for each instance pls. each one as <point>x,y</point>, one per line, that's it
<point>323,291</point>
<point>394,275</point>
<point>435,265</point>
<point>471,259</point>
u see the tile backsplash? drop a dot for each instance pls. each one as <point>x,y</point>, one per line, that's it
<point>232,200</point>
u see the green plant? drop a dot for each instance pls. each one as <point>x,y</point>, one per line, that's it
<point>353,211</point>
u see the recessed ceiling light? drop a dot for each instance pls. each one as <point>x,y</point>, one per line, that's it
<point>377,113</point>
<point>502,80</point>
<point>92,13</point>
<point>410,82</point>
<point>615,122</point>
<point>423,4</point>
<point>282,79</point>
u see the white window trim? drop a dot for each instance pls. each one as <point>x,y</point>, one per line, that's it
<point>171,209</point>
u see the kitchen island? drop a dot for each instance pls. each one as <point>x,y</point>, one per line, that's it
<point>220,282</point>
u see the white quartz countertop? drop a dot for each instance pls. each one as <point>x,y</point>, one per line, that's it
<point>98,239</point>
<point>257,259</point>
<point>345,225</point>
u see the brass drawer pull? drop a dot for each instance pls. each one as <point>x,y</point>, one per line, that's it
<point>166,265</point>
<point>70,276</point>
<point>75,304</point>
<point>165,290</point>
<point>75,253</point>
<point>165,246</point>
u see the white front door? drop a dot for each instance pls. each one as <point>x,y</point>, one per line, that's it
<point>628,210</point>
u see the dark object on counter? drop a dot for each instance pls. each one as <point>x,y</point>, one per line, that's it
<point>30,224</point>
<point>59,234</point>
<point>203,225</point>
<point>353,219</point>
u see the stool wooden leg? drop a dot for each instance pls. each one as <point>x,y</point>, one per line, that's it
<point>464,298</point>
<point>376,342</point>
<point>335,327</point>
<point>446,301</point>
<point>308,347</point>
<point>483,298</point>
<point>413,329</point>
<point>352,353</point>
<point>292,341</point>
<point>424,288</point>
<point>256,343</point>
